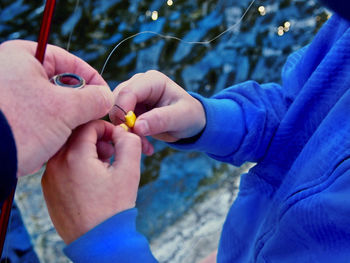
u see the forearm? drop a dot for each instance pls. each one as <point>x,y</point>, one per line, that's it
<point>241,121</point>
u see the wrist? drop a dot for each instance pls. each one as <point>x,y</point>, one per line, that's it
<point>224,126</point>
<point>200,119</point>
<point>85,223</point>
<point>201,116</point>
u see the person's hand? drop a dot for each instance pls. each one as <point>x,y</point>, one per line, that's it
<point>81,187</point>
<point>41,114</point>
<point>165,110</point>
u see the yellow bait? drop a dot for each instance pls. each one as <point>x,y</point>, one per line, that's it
<point>123,125</point>
<point>130,119</point>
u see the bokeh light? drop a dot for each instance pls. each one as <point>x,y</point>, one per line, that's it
<point>262,10</point>
<point>280,31</point>
<point>154,15</point>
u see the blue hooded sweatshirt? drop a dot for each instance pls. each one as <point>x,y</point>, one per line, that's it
<point>293,205</point>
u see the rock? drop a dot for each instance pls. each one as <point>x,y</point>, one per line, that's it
<point>196,234</point>
<point>29,198</point>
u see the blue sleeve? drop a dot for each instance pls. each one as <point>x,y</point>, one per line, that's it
<point>114,240</point>
<point>241,121</point>
<point>8,159</point>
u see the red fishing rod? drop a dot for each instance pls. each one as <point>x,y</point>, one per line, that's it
<point>40,54</point>
<point>45,30</point>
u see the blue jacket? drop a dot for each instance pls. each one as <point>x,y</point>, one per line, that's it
<point>8,159</point>
<point>293,206</point>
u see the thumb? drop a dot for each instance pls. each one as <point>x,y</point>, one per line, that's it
<point>170,119</point>
<point>89,103</point>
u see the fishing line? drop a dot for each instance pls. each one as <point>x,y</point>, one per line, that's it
<point>71,32</point>
<point>177,38</point>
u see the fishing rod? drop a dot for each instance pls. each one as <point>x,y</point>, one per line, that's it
<point>45,30</point>
<point>40,54</point>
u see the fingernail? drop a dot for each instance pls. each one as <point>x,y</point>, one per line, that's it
<point>145,148</point>
<point>150,151</point>
<point>142,127</point>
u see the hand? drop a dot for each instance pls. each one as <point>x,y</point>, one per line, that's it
<point>211,258</point>
<point>165,111</point>
<point>81,188</point>
<point>41,114</point>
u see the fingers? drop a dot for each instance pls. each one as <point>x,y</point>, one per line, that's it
<point>84,140</point>
<point>93,140</point>
<point>147,88</point>
<point>157,121</point>
<point>57,60</point>
<point>89,103</point>
<point>169,119</point>
<point>127,150</point>
<point>147,147</point>
<point>105,150</point>
<point>75,107</point>
<point>86,104</point>
<point>165,111</point>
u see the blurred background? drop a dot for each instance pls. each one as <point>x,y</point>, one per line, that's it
<point>184,196</point>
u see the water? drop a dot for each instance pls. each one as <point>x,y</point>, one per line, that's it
<point>173,182</point>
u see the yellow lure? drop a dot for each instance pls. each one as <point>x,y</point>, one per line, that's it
<point>130,119</point>
<point>123,125</point>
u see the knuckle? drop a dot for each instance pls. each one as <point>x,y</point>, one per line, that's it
<point>70,161</point>
<point>106,99</point>
<point>100,101</point>
<point>137,75</point>
<point>124,90</point>
<point>153,73</point>
<point>126,98</point>
<point>133,139</point>
<point>6,44</point>
<point>9,44</point>
<point>161,79</point>
<point>157,119</point>
<point>13,45</point>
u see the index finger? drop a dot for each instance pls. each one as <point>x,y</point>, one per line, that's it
<point>84,139</point>
<point>143,88</point>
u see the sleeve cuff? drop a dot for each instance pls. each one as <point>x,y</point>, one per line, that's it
<point>114,240</point>
<point>224,130</point>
